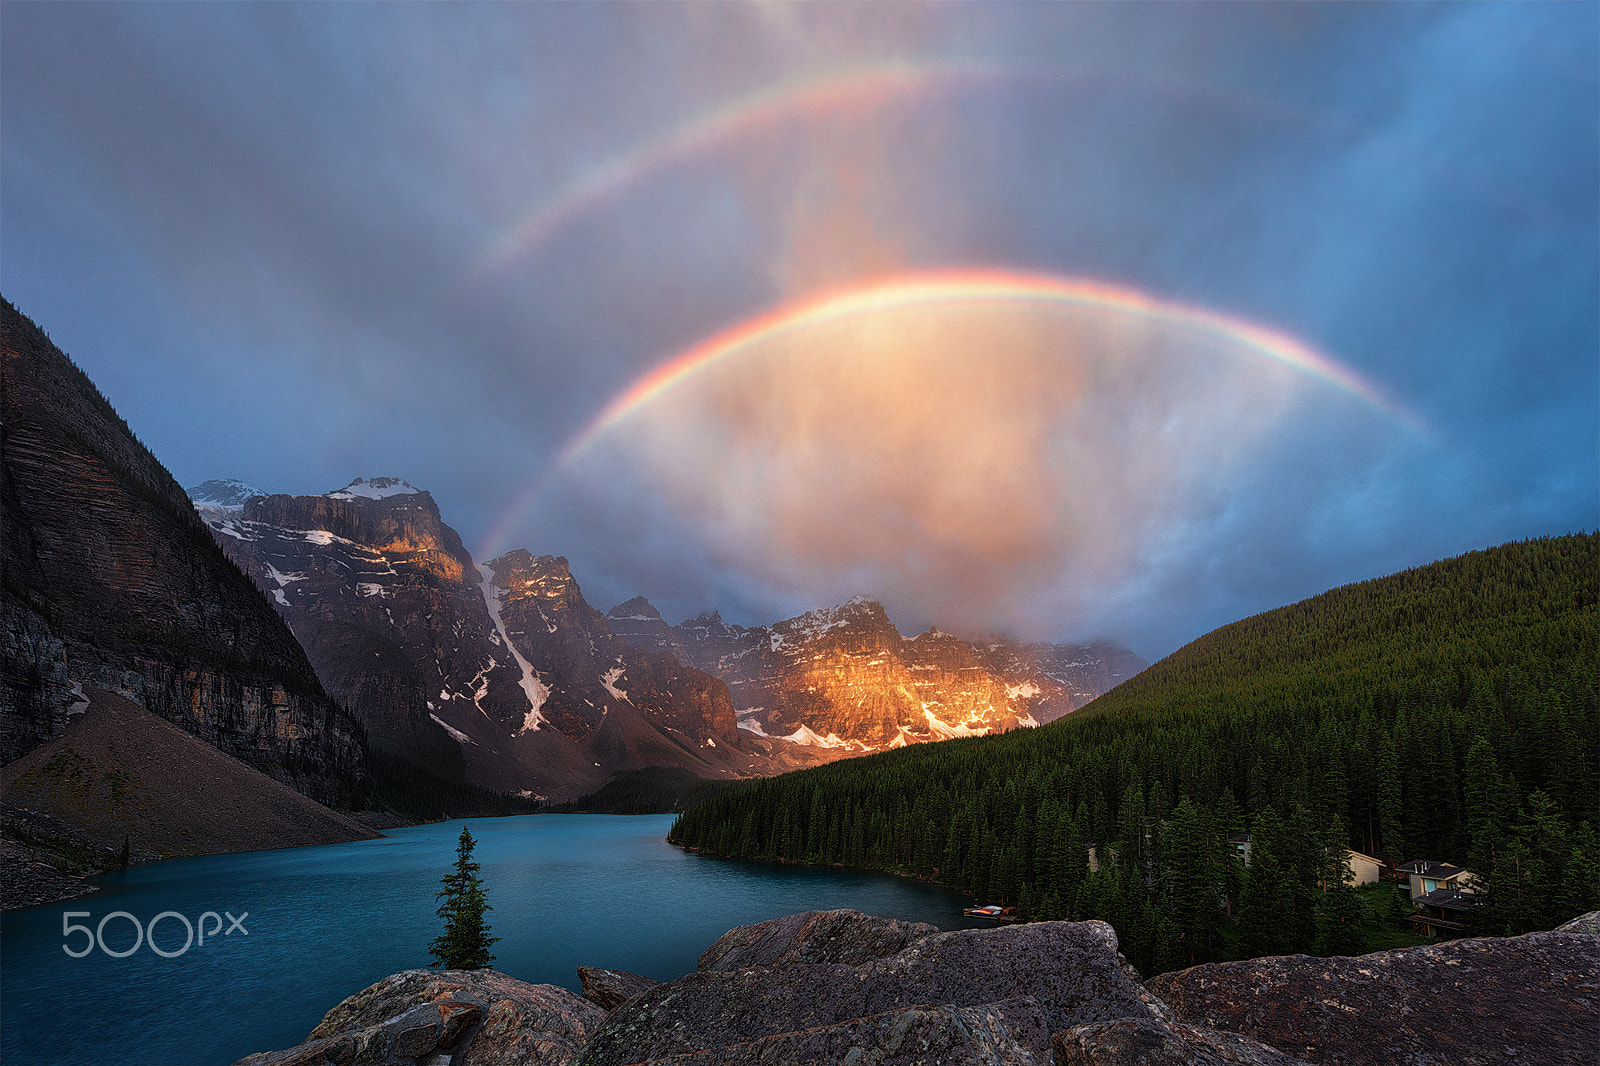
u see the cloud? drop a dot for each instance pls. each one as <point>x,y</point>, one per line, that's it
<point>257,226</point>
<point>981,464</point>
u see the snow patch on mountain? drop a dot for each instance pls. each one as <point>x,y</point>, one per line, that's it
<point>458,735</point>
<point>805,735</point>
<point>377,488</point>
<point>532,687</point>
<point>945,731</point>
<point>609,681</point>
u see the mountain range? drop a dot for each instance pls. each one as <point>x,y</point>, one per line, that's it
<point>348,646</point>
<point>844,678</point>
<point>540,693</point>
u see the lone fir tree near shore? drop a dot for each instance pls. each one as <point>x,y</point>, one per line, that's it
<point>464,945</point>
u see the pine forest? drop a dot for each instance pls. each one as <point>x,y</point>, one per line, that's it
<point>1450,712</point>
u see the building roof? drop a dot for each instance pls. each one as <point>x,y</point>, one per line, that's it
<point>1430,868</point>
<point>1448,899</point>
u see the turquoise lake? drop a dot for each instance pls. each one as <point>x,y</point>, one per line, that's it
<point>318,924</point>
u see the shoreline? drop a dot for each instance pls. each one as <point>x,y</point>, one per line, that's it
<point>26,881</point>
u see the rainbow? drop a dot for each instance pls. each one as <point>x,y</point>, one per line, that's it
<point>945,288</point>
<point>851,91</point>
<point>985,286</point>
<point>841,91</point>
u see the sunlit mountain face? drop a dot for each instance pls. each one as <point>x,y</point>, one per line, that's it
<point>1060,321</point>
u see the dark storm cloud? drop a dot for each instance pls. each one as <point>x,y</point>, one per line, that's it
<point>262,229</point>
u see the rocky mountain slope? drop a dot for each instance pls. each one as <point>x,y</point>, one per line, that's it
<point>500,669</point>
<point>121,776</point>
<point>843,680</point>
<point>841,986</point>
<point>111,580</point>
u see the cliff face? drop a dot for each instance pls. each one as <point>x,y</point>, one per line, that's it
<point>501,672</point>
<point>384,598</point>
<point>112,581</point>
<point>842,680</point>
<point>558,633</point>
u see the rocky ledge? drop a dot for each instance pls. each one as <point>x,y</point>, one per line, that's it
<point>843,987</point>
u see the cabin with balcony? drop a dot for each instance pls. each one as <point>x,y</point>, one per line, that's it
<point>1442,895</point>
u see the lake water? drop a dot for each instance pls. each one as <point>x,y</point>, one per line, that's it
<point>318,924</point>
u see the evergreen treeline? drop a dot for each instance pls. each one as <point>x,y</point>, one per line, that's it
<point>1448,712</point>
<point>402,784</point>
<point>651,790</point>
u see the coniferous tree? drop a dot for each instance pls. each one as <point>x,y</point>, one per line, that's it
<point>1306,864</point>
<point>1193,865</point>
<point>1342,912</point>
<point>1390,834</point>
<point>1546,876</point>
<point>464,944</point>
<point>1267,886</point>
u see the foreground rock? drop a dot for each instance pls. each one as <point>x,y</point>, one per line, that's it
<point>781,993</point>
<point>843,936</point>
<point>1144,1043</point>
<point>464,1018</point>
<point>1012,1033</point>
<point>610,989</point>
<point>1071,970</point>
<point>1533,998</point>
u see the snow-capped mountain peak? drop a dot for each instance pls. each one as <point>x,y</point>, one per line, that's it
<point>225,493</point>
<point>377,488</point>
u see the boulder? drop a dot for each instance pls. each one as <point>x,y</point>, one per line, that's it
<point>610,989</point>
<point>1532,998</point>
<point>843,936</point>
<point>1071,969</point>
<point>1135,1042</point>
<point>464,1017</point>
<point>1011,1033</point>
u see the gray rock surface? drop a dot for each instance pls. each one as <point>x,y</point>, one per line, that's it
<point>1071,969</point>
<point>1532,998</point>
<point>1011,1033</point>
<point>843,936</point>
<point>1132,1042</point>
<point>463,1017</point>
<point>1026,995</point>
<point>610,989</point>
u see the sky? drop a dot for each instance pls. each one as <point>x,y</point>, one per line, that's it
<point>1063,321</point>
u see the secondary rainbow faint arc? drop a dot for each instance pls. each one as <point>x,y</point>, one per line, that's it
<point>785,100</point>
<point>795,99</point>
<point>980,286</point>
